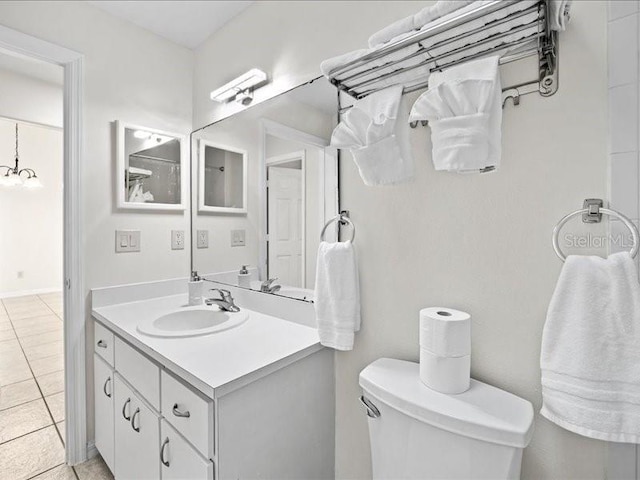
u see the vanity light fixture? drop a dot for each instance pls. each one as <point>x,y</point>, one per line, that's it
<point>240,88</point>
<point>12,176</point>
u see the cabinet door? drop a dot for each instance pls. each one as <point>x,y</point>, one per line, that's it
<point>137,436</point>
<point>180,461</point>
<point>103,394</point>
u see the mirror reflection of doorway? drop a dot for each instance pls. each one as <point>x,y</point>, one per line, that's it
<point>286,218</point>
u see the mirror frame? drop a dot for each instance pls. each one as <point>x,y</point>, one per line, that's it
<point>202,208</point>
<point>121,164</point>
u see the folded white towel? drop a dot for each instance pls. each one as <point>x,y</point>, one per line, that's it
<point>337,295</point>
<point>415,22</point>
<point>590,357</point>
<point>464,109</point>
<point>559,14</point>
<point>368,129</point>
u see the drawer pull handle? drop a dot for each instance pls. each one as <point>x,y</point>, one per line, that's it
<point>164,445</point>
<point>104,387</point>
<point>102,344</point>
<point>124,408</point>
<point>133,420</point>
<point>178,413</point>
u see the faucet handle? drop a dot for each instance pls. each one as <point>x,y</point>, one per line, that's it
<point>224,294</point>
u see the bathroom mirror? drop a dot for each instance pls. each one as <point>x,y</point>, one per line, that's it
<point>222,178</point>
<point>152,169</point>
<point>281,174</point>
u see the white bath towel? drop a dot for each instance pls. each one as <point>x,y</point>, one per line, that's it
<point>464,108</point>
<point>414,22</point>
<point>368,130</point>
<point>559,14</point>
<point>590,357</point>
<point>337,295</point>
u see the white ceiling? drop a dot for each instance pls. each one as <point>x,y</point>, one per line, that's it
<point>187,23</point>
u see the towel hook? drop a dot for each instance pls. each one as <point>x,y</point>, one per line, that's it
<point>342,219</point>
<point>592,213</point>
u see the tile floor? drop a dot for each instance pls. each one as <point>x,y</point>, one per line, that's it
<point>32,393</point>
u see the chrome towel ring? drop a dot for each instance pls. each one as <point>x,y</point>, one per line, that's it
<point>342,219</point>
<point>592,213</point>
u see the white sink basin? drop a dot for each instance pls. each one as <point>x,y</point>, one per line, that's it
<point>192,322</point>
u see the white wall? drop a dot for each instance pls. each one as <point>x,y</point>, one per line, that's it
<point>29,99</point>
<point>31,226</point>
<point>130,75</point>
<point>478,243</point>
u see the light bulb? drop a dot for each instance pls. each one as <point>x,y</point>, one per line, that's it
<point>141,134</point>
<point>33,182</point>
<point>10,179</point>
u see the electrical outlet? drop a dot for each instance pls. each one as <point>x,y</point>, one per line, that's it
<point>177,239</point>
<point>202,237</point>
<point>237,238</point>
<point>127,241</point>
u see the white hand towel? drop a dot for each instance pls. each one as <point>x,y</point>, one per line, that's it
<point>560,14</point>
<point>464,108</point>
<point>439,10</point>
<point>337,295</point>
<point>590,357</point>
<point>369,131</point>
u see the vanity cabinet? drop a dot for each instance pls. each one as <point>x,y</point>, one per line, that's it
<point>152,424</point>
<point>103,383</point>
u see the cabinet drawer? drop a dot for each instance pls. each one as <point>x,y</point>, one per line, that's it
<point>139,371</point>
<point>179,459</point>
<point>190,412</point>
<point>103,342</point>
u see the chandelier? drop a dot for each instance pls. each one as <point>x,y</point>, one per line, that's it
<point>13,175</point>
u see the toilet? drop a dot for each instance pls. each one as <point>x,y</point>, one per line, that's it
<point>418,433</point>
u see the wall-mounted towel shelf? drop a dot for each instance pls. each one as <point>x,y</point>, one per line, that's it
<point>439,49</point>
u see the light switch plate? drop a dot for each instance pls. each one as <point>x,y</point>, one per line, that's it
<point>202,239</point>
<point>177,239</point>
<point>127,241</point>
<point>237,238</point>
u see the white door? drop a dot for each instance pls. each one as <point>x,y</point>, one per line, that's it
<point>103,391</point>
<point>137,436</point>
<point>179,460</point>
<point>286,228</point>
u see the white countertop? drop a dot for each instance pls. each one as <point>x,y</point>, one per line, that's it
<point>220,362</point>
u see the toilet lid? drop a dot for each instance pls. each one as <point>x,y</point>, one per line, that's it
<point>483,412</point>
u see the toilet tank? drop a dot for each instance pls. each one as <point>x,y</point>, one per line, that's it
<point>418,433</point>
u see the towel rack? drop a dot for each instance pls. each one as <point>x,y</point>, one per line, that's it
<point>543,44</point>
<point>592,213</point>
<point>341,219</point>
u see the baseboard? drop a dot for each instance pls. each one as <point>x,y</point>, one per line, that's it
<point>24,293</point>
<point>92,451</point>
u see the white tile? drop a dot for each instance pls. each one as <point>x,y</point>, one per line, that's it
<point>30,455</point>
<point>622,8</point>
<point>94,469</point>
<point>623,51</point>
<point>624,183</point>
<point>41,338</point>
<point>46,365</point>
<point>61,472</point>
<point>56,406</point>
<point>623,118</point>
<point>61,430</point>
<point>42,351</point>
<point>51,382</point>
<point>18,393</point>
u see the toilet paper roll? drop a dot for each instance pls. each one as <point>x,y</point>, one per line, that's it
<point>445,332</point>
<point>445,374</point>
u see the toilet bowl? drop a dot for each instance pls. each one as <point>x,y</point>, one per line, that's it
<point>418,433</point>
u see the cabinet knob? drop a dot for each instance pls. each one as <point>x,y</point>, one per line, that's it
<point>164,445</point>
<point>102,344</point>
<point>133,420</point>
<point>178,413</point>
<point>124,408</point>
<point>104,387</point>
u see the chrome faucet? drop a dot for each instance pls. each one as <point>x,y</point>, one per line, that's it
<point>225,302</point>
<point>268,287</point>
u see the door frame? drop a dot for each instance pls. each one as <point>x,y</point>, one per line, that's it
<point>269,127</point>
<point>300,155</point>
<point>74,293</point>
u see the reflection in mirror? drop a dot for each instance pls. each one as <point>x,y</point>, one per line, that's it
<point>277,155</point>
<point>222,178</point>
<point>151,169</point>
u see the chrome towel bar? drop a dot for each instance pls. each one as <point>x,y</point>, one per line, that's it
<point>342,219</point>
<point>592,213</point>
